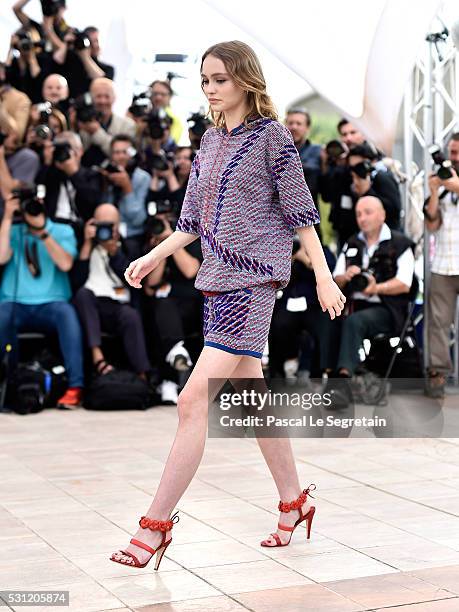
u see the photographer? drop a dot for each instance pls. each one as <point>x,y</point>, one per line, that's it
<point>298,309</point>
<point>103,299</point>
<point>127,189</point>
<point>154,142</point>
<point>35,288</point>
<point>14,104</point>
<point>175,303</point>
<point>72,191</point>
<point>375,269</point>
<point>94,47</point>
<point>99,125</point>
<point>442,218</point>
<point>27,71</point>
<point>56,91</point>
<point>171,184</point>
<point>161,93</point>
<point>298,121</point>
<point>17,164</point>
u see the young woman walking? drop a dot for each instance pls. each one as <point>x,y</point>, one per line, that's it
<point>245,198</point>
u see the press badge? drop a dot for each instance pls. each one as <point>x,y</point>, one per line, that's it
<point>352,252</point>
<point>163,291</point>
<point>346,202</point>
<point>297,304</point>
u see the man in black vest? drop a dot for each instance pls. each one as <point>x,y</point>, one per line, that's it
<point>376,271</point>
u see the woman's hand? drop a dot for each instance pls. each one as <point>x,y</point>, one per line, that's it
<point>330,297</point>
<point>139,268</point>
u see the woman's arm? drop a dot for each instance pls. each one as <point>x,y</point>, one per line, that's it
<point>330,296</point>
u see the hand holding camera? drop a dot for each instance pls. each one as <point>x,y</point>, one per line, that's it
<point>121,179</point>
<point>351,272</point>
<point>12,206</point>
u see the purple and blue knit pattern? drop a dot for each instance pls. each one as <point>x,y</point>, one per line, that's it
<point>238,321</point>
<point>246,195</point>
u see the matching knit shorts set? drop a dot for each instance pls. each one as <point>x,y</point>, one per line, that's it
<point>239,289</point>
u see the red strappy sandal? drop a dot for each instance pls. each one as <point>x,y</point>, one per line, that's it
<point>154,525</point>
<point>296,504</point>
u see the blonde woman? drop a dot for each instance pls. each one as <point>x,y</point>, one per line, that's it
<point>245,198</point>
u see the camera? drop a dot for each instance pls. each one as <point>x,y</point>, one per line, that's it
<point>42,130</point>
<point>360,281</point>
<point>62,151</point>
<point>335,149</point>
<point>160,161</point>
<point>3,137</point>
<point>158,122</point>
<point>156,226</point>
<point>362,169</point>
<point>141,105</point>
<point>198,124</point>
<point>85,109</point>
<point>25,42</point>
<point>81,40</point>
<point>109,167</point>
<point>51,7</point>
<point>30,198</point>
<point>444,165</point>
<point>104,231</point>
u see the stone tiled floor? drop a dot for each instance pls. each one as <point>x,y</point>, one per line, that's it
<point>73,484</point>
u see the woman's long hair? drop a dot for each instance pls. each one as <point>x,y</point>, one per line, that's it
<point>244,68</point>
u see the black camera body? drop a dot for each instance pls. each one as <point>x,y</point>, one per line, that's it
<point>360,281</point>
<point>104,231</point>
<point>362,169</point>
<point>81,41</point>
<point>62,151</point>
<point>50,8</point>
<point>444,165</point>
<point>155,225</point>
<point>198,124</point>
<point>141,105</point>
<point>85,109</point>
<point>158,122</point>
<point>3,137</point>
<point>335,150</point>
<point>30,198</point>
<point>42,130</point>
<point>160,161</point>
<point>25,42</point>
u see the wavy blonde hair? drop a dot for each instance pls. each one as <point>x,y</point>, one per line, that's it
<point>243,66</point>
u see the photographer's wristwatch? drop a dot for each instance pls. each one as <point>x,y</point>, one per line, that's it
<point>44,236</point>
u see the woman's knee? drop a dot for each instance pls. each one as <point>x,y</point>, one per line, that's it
<point>191,406</point>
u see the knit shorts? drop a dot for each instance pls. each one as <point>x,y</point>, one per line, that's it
<point>238,321</point>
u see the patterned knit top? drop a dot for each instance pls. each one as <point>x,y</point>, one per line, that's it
<point>246,194</point>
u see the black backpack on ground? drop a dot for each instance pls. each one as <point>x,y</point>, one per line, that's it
<point>117,390</point>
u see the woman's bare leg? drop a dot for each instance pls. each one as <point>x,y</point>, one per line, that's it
<point>277,453</point>
<point>188,447</point>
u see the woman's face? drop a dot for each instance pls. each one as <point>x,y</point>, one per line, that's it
<point>222,92</point>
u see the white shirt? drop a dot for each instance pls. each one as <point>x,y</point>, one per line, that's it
<point>63,208</point>
<point>446,258</point>
<point>405,263</point>
<point>102,280</point>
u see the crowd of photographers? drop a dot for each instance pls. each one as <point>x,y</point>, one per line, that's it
<point>83,191</point>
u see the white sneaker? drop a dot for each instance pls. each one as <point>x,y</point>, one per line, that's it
<point>169,392</point>
<point>178,357</point>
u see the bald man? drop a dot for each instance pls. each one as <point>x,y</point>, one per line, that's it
<point>99,132</point>
<point>55,89</point>
<point>103,300</point>
<point>375,270</point>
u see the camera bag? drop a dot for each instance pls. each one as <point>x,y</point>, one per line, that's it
<point>117,390</point>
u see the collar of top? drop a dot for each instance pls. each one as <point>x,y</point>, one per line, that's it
<point>252,122</point>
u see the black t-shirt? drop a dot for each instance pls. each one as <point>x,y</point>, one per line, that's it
<point>181,286</point>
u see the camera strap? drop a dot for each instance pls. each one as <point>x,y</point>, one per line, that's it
<point>31,255</point>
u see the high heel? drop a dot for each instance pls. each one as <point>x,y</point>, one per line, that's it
<point>154,525</point>
<point>296,504</point>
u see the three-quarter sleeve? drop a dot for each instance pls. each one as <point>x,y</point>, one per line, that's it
<point>189,216</point>
<point>295,199</point>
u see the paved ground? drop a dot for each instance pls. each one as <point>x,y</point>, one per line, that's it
<point>73,484</point>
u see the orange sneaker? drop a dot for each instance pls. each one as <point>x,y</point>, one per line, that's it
<point>71,398</point>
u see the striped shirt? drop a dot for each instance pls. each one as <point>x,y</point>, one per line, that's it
<point>246,195</point>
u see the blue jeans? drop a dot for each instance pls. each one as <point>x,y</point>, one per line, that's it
<point>59,317</point>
